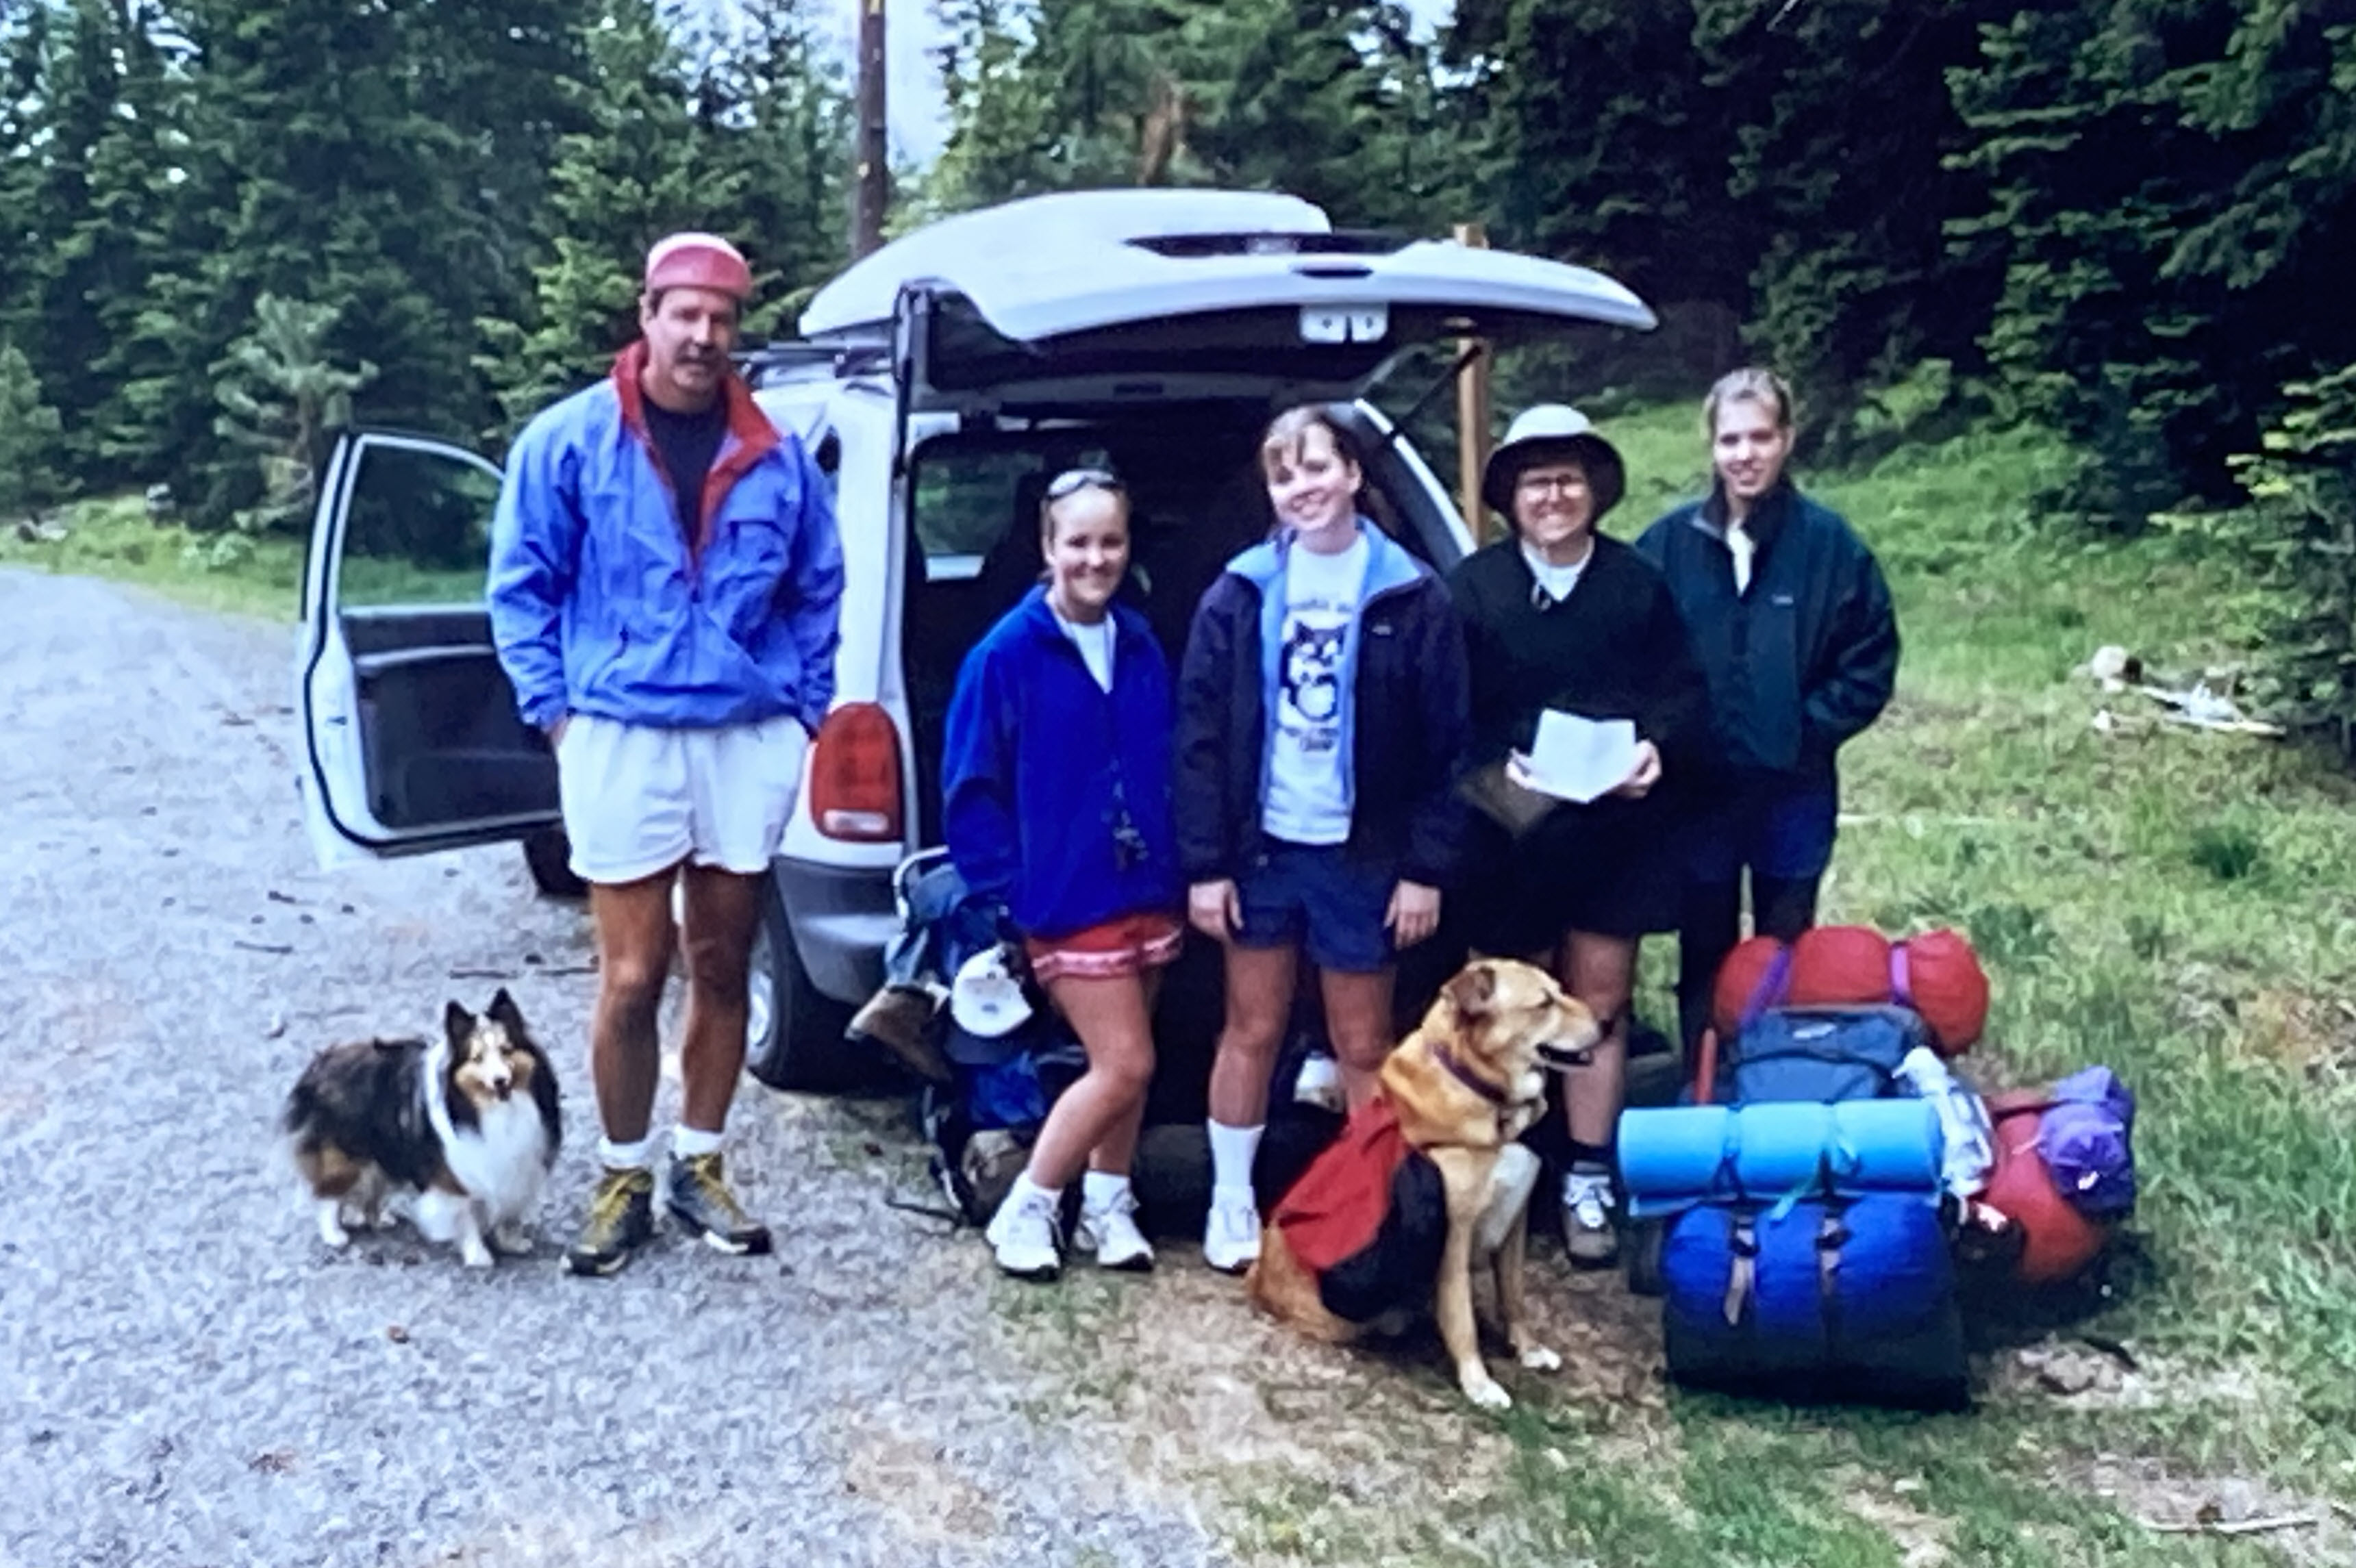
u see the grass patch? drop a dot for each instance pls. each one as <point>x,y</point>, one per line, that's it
<point>114,537</point>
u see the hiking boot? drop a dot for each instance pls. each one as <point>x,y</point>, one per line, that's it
<point>1022,1234</point>
<point>1231,1234</point>
<point>1112,1235</point>
<point>900,1020</point>
<point>698,1198</point>
<point>1588,1234</point>
<point>621,1219</point>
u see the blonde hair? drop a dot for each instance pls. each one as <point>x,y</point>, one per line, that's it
<point>1753,384</point>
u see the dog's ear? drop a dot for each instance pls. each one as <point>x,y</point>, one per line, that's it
<point>505,1013</point>
<point>457,1023</point>
<point>1473,989</point>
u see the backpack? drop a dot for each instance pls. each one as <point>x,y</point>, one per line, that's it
<point>1368,1219</point>
<point>1825,1054</point>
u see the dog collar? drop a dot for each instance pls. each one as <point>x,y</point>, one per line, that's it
<point>1487,1090</point>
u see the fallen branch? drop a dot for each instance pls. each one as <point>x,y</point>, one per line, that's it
<point>2234,1526</point>
<point>511,974</point>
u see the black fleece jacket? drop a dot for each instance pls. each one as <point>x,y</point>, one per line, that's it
<point>1806,657</point>
<point>1615,649</point>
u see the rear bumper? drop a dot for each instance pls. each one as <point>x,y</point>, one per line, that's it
<point>842,918</point>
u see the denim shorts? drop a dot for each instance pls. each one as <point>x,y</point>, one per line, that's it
<point>1315,896</point>
<point>1780,827</point>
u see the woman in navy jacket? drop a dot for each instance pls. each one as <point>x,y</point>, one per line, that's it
<point>1055,800</point>
<point>1793,629</point>
<point>1322,718</point>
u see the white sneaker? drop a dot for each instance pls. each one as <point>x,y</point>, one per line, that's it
<point>1112,1235</point>
<point>1586,1230</point>
<point>1319,1082</point>
<point>1231,1236</point>
<point>1022,1234</point>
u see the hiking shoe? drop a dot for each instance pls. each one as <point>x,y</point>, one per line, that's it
<point>698,1198</point>
<point>1022,1234</point>
<point>1231,1234</point>
<point>1112,1235</point>
<point>621,1219</point>
<point>1319,1084</point>
<point>1588,1234</point>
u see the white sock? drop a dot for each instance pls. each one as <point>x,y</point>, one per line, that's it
<point>687,1142</point>
<point>1024,1186</point>
<point>1101,1189</point>
<point>1232,1152</point>
<point>626,1157</point>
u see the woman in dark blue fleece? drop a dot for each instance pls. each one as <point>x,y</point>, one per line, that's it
<point>1322,717</point>
<point>1055,798</point>
<point>1793,628</point>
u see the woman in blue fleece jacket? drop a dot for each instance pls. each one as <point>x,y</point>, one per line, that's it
<point>1055,798</point>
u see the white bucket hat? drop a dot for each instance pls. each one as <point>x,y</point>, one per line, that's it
<point>986,999</point>
<point>1545,429</point>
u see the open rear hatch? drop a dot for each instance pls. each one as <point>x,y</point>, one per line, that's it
<point>1112,297</point>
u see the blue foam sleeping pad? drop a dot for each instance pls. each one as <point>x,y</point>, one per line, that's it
<point>1672,1157</point>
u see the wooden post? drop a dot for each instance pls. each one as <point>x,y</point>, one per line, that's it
<point>871,187</point>
<point>1472,414</point>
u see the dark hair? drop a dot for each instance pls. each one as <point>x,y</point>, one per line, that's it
<point>1284,434</point>
<point>650,302</point>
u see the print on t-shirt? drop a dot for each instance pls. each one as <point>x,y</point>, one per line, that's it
<point>1311,676</point>
<point>1307,802</point>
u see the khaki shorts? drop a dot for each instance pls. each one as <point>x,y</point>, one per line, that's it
<point>639,800</point>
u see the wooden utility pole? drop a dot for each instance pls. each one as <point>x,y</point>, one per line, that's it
<point>871,187</point>
<point>1473,413</point>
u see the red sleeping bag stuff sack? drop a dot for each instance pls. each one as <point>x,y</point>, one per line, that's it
<point>1368,1219</point>
<point>1937,974</point>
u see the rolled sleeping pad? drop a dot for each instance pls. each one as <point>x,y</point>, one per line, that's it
<point>1672,1157</point>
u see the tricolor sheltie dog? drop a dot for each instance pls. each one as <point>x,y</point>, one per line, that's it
<point>468,1123</point>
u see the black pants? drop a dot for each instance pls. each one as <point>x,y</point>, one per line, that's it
<point>1710,923</point>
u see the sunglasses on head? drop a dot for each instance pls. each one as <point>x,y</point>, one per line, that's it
<point>1072,481</point>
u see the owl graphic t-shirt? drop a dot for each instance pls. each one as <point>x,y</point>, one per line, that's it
<point>1307,800</point>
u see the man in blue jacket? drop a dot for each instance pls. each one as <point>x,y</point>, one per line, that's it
<point>665,580</point>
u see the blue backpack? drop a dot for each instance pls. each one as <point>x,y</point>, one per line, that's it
<point>1825,1054</point>
<point>1839,1288</point>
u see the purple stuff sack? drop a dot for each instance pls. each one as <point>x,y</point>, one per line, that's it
<point>2085,1141</point>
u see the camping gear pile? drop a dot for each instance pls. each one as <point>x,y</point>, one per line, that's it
<point>1829,1173</point>
<point>959,1009</point>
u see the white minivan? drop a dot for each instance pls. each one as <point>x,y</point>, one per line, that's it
<point>940,382</point>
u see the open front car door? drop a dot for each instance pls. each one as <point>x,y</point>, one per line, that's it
<point>412,742</point>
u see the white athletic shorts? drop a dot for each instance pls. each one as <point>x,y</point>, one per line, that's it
<point>639,800</point>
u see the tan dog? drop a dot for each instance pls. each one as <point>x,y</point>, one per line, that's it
<point>1464,1086</point>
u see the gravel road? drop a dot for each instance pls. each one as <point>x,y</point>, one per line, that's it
<point>190,1378</point>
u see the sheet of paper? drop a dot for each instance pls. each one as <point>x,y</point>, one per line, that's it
<point>1580,759</point>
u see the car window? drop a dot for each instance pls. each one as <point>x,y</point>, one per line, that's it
<point>418,528</point>
<point>969,498</point>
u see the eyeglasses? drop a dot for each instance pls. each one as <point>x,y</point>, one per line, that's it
<point>1550,483</point>
<point>1072,481</point>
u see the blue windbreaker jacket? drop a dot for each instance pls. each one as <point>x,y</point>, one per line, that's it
<point>1034,753</point>
<point>601,604</point>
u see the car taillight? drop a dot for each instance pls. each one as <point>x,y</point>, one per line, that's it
<point>855,775</point>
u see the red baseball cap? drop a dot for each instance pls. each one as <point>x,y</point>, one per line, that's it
<point>697,260</point>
